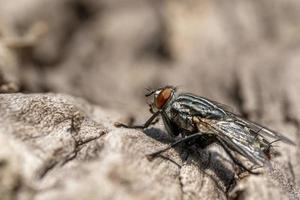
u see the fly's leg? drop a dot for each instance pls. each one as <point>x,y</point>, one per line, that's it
<point>154,121</point>
<point>236,162</point>
<point>147,123</point>
<point>180,141</point>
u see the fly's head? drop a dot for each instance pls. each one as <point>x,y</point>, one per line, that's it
<point>161,97</point>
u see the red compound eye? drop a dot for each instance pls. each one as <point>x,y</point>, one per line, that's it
<point>163,97</point>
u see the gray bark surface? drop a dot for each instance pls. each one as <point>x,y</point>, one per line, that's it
<point>70,69</point>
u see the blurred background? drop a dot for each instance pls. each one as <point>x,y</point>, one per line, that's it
<point>109,51</point>
<point>243,53</point>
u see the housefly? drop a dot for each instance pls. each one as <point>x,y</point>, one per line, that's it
<point>204,122</point>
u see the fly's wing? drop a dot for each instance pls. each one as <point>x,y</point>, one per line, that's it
<point>237,138</point>
<point>261,130</point>
<point>252,126</point>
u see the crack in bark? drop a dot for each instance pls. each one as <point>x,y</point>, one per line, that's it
<point>78,146</point>
<point>52,163</point>
<point>48,166</point>
<point>76,123</point>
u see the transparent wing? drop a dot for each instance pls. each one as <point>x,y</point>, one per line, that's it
<point>252,126</point>
<point>238,139</point>
<point>242,141</point>
<point>261,130</point>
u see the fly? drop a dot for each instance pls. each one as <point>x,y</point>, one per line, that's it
<point>202,121</point>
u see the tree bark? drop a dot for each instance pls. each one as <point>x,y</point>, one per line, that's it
<point>96,58</point>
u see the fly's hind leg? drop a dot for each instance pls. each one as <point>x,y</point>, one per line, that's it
<point>236,161</point>
<point>202,141</point>
<point>180,141</point>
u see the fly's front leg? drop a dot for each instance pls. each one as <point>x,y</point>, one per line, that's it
<point>146,125</point>
<point>180,141</point>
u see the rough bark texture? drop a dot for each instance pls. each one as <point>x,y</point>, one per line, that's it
<point>70,68</point>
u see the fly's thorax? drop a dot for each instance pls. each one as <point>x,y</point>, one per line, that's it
<point>182,119</point>
<point>174,121</point>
